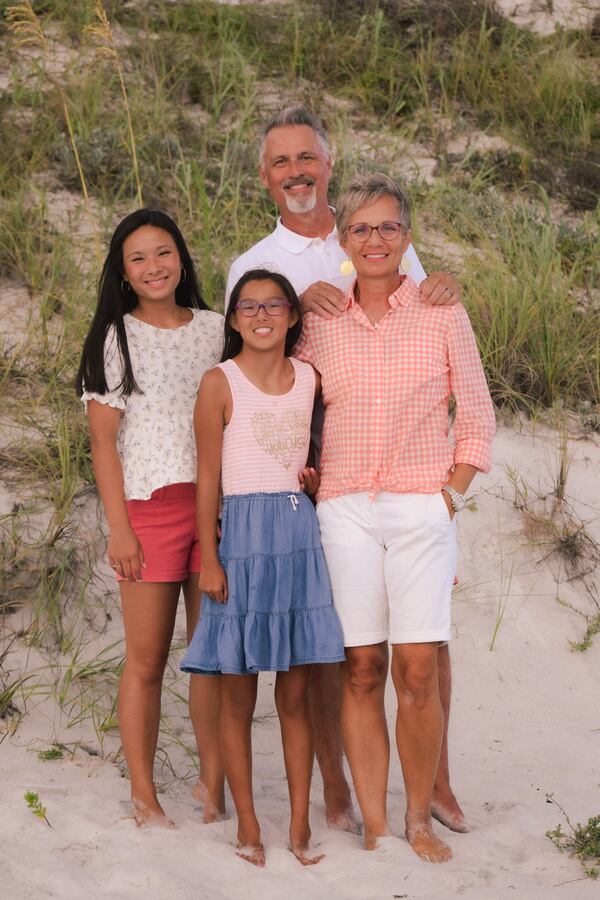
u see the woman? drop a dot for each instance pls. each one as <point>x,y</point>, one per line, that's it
<point>391,486</point>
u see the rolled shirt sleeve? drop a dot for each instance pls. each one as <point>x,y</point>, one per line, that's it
<point>475,422</point>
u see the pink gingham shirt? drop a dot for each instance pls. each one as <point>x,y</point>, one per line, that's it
<point>386,389</point>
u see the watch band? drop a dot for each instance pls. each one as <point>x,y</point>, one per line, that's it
<point>456,498</point>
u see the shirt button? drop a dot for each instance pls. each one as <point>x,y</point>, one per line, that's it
<point>378,400</point>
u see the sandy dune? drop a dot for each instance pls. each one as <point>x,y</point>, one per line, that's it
<point>526,723</point>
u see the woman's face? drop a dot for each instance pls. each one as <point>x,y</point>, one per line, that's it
<point>151,264</point>
<point>373,255</point>
<point>263,315</point>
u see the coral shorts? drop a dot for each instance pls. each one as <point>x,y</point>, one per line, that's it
<point>165,526</point>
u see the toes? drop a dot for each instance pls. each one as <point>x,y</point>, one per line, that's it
<point>252,854</point>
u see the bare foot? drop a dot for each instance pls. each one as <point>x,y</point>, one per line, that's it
<point>424,842</point>
<point>372,838</point>
<point>252,853</point>
<point>300,846</point>
<point>249,845</point>
<point>445,808</point>
<point>150,815</point>
<point>212,813</point>
<point>339,811</point>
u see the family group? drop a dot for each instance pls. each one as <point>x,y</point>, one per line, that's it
<point>289,466</point>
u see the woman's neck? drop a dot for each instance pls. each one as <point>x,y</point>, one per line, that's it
<point>270,371</point>
<point>372,294</point>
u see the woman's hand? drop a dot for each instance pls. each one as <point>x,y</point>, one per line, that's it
<point>125,553</point>
<point>213,581</point>
<point>309,480</point>
<point>448,502</point>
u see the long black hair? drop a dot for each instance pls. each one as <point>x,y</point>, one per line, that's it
<point>233,339</point>
<point>115,298</point>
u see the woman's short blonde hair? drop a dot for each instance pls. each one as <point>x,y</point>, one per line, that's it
<point>364,190</point>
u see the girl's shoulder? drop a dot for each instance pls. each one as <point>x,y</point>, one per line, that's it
<point>208,319</point>
<point>302,368</point>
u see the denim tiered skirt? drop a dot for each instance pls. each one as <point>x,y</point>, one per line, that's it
<point>279,611</point>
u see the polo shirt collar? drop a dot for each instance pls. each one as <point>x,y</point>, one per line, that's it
<point>294,242</point>
<point>400,297</point>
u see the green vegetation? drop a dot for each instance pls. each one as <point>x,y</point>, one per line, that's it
<point>581,841</point>
<point>53,752</point>
<point>35,805</point>
<point>592,629</point>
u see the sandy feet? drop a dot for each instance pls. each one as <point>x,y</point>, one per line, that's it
<point>252,853</point>
<point>339,812</point>
<point>300,846</point>
<point>424,842</point>
<point>212,812</point>
<point>249,846</point>
<point>374,840</point>
<point>445,808</point>
<point>150,815</point>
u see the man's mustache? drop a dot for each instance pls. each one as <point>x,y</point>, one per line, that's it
<point>302,179</point>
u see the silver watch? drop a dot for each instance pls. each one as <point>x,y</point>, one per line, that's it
<point>456,498</point>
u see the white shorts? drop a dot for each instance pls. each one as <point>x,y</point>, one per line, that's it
<point>391,562</point>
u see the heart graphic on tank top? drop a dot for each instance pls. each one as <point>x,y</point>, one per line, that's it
<point>281,435</point>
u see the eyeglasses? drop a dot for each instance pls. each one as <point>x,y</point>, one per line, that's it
<point>273,307</point>
<point>361,232</point>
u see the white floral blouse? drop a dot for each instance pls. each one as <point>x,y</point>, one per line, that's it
<point>155,440</point>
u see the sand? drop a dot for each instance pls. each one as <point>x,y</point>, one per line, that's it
<point>525,725</point>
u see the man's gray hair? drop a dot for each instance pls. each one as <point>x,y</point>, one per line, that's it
<point>364,190</point>
<point>295,115</point>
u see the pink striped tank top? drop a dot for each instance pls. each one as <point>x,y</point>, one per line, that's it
<point>265,444</point>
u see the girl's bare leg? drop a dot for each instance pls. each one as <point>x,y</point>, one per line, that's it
<point>419,730</point>
<point>149,617</point>
<point>291,699</point>
<point>205,711</point>
<point>365,731</point>
<point>238,699</point>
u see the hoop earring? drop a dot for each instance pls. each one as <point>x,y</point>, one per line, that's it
<point>347,267</point>
<point>125,290</point>
<point>183,275</point>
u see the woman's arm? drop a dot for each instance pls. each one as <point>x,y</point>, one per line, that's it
<point>125,552</point>
<point>211,412</point>
<point>475,421</point>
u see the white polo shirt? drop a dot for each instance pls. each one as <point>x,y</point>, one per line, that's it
<point>304,260</point>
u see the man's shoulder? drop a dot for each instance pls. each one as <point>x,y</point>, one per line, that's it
<point>256,256</point>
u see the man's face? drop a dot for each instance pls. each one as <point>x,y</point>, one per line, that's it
<point>295,169</point>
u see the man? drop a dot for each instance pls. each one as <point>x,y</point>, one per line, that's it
<point>296,166</point>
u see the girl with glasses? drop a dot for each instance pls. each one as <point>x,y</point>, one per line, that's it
<point>151,339</point>
<point>266,603</point>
